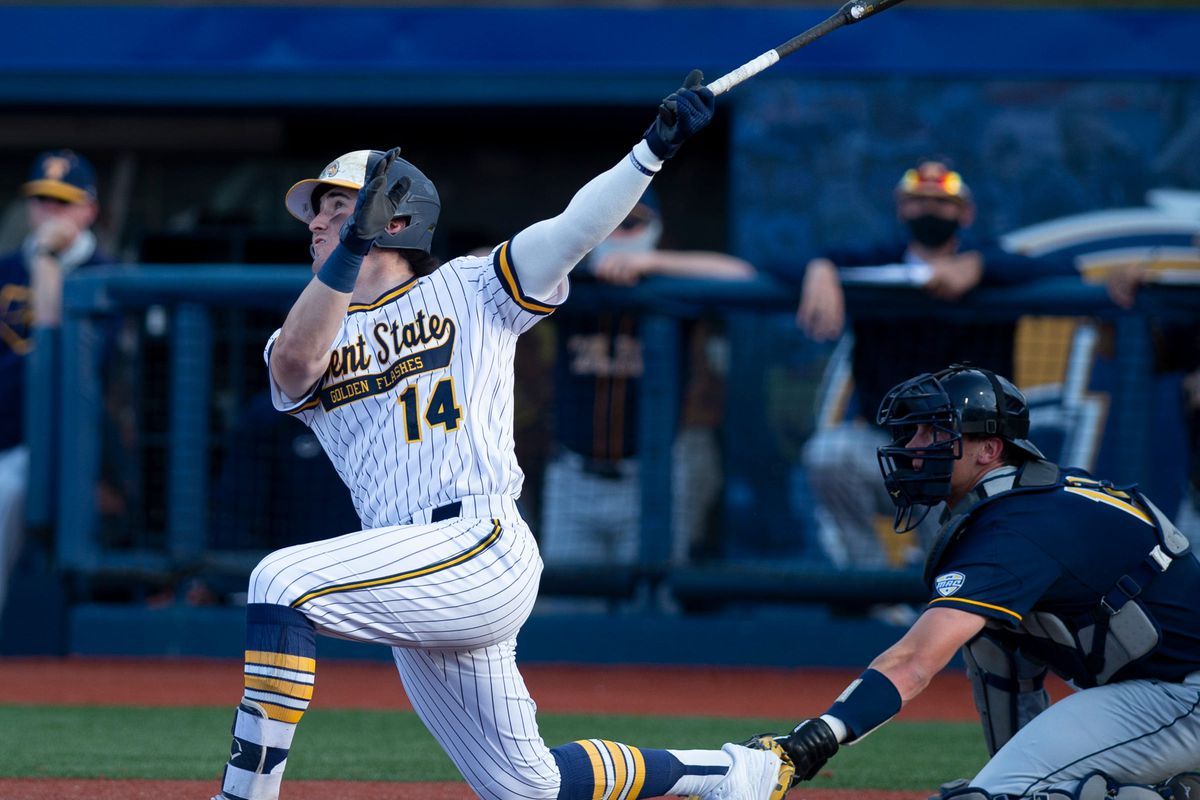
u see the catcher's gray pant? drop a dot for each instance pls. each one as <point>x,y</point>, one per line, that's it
<point>1140,732</point>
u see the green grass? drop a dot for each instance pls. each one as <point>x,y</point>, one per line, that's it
<point>192,743</point>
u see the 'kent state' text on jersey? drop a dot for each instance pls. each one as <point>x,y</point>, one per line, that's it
<point>416,407</point>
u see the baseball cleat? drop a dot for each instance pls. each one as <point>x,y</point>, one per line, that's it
<point>754,775</point>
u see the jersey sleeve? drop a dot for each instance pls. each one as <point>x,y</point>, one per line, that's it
<point>503,297</point>
<point>279,398</point>
<point>996,573</point>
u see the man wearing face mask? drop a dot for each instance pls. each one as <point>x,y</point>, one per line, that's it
<point>935,206</point>
<point>591,496</point>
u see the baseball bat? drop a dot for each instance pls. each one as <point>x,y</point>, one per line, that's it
<point>852,12</point>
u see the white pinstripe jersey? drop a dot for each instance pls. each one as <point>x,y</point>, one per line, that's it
<point>416,407</point>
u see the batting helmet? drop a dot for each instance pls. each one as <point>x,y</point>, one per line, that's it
<point>956,401</point>
<point>420,205</point>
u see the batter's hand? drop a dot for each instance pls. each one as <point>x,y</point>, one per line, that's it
<point>377,204</point>
<point>953,276</point>
<point>681,114</point>
<point>809,745</point>
<point>822,312</point>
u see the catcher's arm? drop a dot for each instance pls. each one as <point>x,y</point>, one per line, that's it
<point>896,676</point>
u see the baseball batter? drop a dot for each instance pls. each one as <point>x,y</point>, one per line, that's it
<point>404,371</point>
<point>1036,567</point>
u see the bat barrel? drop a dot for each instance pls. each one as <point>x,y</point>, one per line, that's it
<point>848,14</point>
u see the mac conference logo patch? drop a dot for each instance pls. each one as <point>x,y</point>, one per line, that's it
<point>949,583</point>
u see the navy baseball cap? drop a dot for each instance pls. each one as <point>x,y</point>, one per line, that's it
<point>62,175</point>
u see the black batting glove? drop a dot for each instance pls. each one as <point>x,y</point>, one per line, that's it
<point>376,206</point>
<point>809,745</point>
<point>681,114</point>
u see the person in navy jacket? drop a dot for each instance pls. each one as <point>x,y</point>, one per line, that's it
<point>62,205</point>
<point>936,207</point>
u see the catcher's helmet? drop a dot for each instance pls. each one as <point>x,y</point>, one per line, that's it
<point>955,401</point>
<point>420,204</point>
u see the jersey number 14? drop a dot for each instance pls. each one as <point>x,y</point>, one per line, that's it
<point>441,409</point>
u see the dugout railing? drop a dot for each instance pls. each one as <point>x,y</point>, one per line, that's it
<point>70,412</point>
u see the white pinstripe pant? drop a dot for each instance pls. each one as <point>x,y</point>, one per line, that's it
<point>449,598</point>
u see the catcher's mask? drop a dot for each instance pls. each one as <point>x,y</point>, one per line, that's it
<point>420,205</point>
<point>955,401</point>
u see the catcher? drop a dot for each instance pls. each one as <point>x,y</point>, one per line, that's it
<point>1036,567</point>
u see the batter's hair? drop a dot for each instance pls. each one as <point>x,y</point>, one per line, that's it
<point>422,263</point>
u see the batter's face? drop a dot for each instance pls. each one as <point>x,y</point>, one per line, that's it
<point>335,208</point>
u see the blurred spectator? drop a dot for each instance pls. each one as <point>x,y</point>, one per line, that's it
<point>935,205</point>
<point>62,206</point>
<point>275,487</point>
<point>591,506</point>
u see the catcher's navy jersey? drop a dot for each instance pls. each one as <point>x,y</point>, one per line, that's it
<point>1059,551</point>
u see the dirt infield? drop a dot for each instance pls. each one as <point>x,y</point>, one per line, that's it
<point>676,691</point>
<point>680,691</point>
<point>39,789</point>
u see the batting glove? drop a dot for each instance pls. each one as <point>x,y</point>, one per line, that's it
<point>810,745</point>
<point>377,204</point>
<point>681,114</point>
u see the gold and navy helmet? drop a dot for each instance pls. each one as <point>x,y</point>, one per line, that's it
<point>420,205</point>
<point>959,400</point>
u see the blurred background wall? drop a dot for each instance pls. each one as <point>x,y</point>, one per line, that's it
<point>200,116</point>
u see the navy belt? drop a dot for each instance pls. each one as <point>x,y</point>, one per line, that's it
<point>448,511</point>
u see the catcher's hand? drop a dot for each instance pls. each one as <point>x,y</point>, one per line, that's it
<point>808,747</point>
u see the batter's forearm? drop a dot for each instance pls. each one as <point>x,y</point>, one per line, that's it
<point>546,251</point>
<point>301,353</point>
